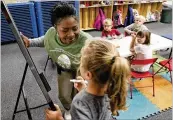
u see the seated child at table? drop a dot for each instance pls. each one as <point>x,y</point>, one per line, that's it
<point>140,46</point>
<point>108,32</point>
<point>137,26</point>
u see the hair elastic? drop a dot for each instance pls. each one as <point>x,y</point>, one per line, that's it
<point>112,60</point>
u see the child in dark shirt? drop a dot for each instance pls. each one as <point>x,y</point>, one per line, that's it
<point>108,32</point>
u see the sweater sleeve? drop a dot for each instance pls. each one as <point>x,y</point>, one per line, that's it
<point>103,34</point>
<point>117,32</point>
<point>128,29</point>
<point>144,28</point>
<point>37,42</point>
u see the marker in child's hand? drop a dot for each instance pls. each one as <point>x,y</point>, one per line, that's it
<point>74,80</point>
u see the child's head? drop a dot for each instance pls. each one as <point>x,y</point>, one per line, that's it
<point>101,63</point>
<point>143,37</point>
<point>139,20</point>
<point>157,15</point>
<point>107,24</point>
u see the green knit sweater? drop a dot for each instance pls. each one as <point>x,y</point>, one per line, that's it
<point>67,56</point>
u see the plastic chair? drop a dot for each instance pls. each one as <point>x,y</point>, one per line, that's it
<point>141,75</point>
<point>166,65</point>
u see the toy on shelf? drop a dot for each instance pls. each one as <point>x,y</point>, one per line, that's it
<point>101,2</point>
<point>135,12</point>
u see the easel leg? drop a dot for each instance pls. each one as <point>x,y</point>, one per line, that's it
<point>20,90</point>
<point>46,63</point>
<point>26,104</point>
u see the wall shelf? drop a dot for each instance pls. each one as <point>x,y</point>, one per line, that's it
<point>96,6</point>
<point>88,28</point>
<point>88,14</point>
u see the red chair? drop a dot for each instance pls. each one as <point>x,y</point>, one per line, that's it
<point>166,65</point>
<point>140,75</point>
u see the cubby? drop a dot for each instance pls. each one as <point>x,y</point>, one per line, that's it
<point>143,7</point>
<point>90,9</point>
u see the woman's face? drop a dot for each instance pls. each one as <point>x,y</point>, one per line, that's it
<point>68,30</point>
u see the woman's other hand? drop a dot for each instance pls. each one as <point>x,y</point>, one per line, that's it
<point>54,115</point>
<point>26,40</point>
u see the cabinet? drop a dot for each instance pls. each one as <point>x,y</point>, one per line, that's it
<point>88,10</point>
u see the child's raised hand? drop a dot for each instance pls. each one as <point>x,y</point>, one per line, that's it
<point>80,85</point>
<point>114,37</point>
<point>133,34</point>
<point>54,115</point>
<point>25,39</point>
<point>132,50</point>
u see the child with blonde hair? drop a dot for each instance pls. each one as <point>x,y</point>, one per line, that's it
<point>137,26</point>
<point>107,74</point>
<point>140,46</point>
<point>108,32</point>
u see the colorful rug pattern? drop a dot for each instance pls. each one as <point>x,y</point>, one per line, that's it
<point>143,104</point>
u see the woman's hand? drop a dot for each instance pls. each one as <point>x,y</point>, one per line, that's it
<point>80,85</point>
<point>54,115</point>
<point>26,40</point>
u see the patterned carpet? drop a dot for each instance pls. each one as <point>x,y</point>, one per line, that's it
<point>143,103</point>
<point>163,91</point>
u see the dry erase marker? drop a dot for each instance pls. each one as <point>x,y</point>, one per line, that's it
<point>74,80</point>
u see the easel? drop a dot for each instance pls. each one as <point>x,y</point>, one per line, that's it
<point>21,90</point>
<point>40,79</point>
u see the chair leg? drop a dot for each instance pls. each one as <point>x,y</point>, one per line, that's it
<point>131,88</point>
<point>153,86</point>
<point>46,63</point>
<point>171,76</point>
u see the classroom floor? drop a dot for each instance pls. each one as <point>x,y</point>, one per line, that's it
<point>12,66</point>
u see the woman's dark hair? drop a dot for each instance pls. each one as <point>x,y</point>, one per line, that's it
<point>62,10</point>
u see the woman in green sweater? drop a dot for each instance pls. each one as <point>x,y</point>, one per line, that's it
<point>63,42</point>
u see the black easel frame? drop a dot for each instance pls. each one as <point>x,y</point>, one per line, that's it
<point>40,79</point>
<point>21,90</point>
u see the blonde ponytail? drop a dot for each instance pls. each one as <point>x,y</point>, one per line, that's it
<point>102,59</point>
<point>117,88</point>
